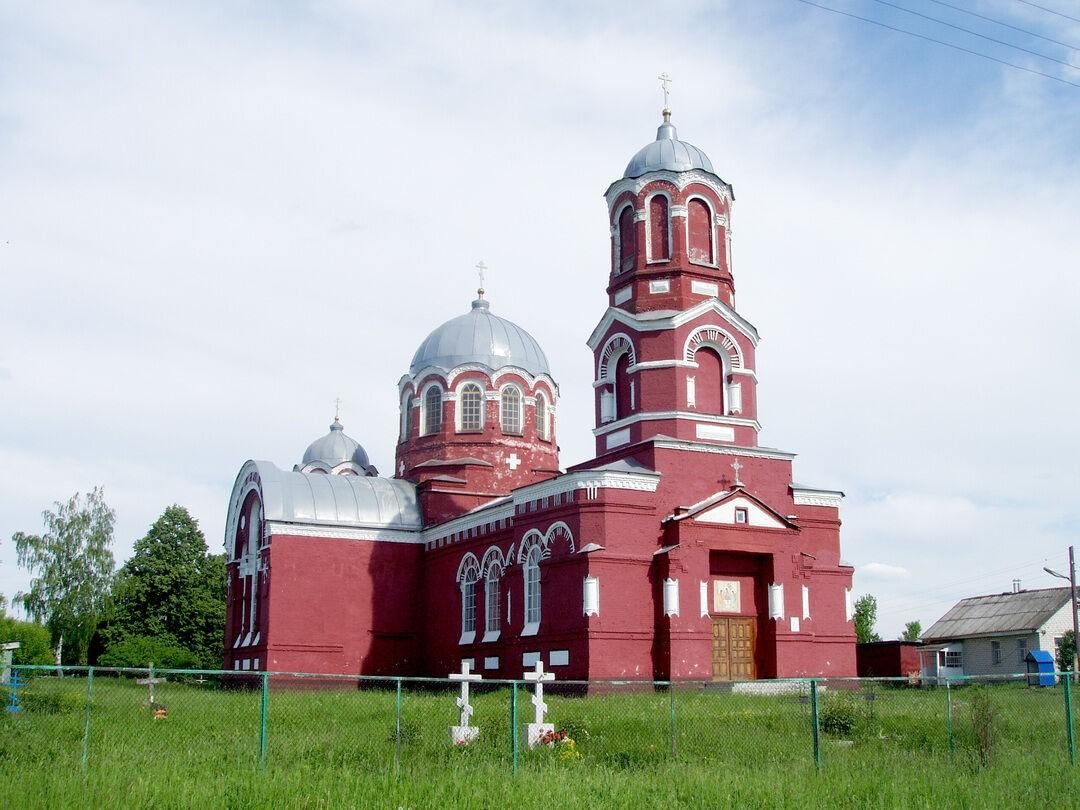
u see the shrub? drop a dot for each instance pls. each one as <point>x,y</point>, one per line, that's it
<point>982,722</point>
<point>838,714</point>
<point>35,641</point>
<point>139,651</point>
<point>37,702</point>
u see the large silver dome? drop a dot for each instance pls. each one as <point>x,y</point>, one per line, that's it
<point>668,153</point>
<point>336,448</point>
<point>482,338</point>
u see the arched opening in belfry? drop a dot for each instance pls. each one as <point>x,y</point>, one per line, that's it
<point>624,396</point>
<point>709,381</point>
<point>659,228</point>
<point>699,219</point>
<point>627,242</point>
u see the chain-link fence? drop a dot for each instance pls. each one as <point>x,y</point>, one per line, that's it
<point>207,722</point>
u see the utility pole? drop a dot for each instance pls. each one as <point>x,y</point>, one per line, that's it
<point>1072,589</point>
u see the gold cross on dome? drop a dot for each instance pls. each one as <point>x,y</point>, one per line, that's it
<point>480,269</point>
<point>665,86</point>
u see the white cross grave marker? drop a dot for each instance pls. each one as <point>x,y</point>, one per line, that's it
<point>150,683</point>
<point>538,728</point>
<point>6,657</point>
<point>513,462</point>
<point>464,734</point>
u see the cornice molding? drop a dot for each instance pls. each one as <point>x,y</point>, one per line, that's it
<point>655,416</point>
<point>650,322</point>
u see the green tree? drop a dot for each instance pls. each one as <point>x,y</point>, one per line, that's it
<point>912,631</point>
<point>1066,651</point>
<point>35,643</point>
<point>72,567</point>
<point>171,590</point>
<point>865,618</point>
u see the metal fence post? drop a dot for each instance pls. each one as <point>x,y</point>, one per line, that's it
<point>264,711</point>
<point>674,728</point>
<point>514,724</point>
<point>949,718</point>
<point>814,722</point>
<point>1069,735</point>
<point>86,718</point>
<point>397,730</point>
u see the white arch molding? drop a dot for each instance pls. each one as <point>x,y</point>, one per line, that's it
<point>717,338</point>
<point>468,569</point>
<point>615,346</point>
<point>556,531</point>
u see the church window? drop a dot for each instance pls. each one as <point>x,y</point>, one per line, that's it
<point>471,406</point>
<point>510,410</point>
<point>532,591</point>
<point>627,240</point>
<point>699,224</point>
<point>468,609</point>
<point>432,410</point>
<point>406,415</point>
<point>492,603</point>
<point>622,386</point>
<point>542,417</point>
<point>709,382</point>
<point>742,515</point>
<point>659,229</point>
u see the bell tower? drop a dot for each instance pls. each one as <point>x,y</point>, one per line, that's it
<point>672,356</point>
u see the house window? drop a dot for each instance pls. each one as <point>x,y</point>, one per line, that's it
<point>1021,649</point>
<point>510,411</point>
<point>492,602</point>
<point>471,407</point>
<point>995,652</point>
<point>954,658</point>
<point>532,591</point>
<point>432,410</point>
<point>742,515</point>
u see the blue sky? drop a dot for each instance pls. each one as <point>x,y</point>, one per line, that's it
<point>216,218</point>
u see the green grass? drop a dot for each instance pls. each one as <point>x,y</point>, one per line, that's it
<point>337,748</point>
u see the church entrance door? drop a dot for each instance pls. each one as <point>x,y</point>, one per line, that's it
<point>733,649</point>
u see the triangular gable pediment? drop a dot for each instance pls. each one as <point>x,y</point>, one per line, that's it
<point>660,320</point>
<point>721,508</point>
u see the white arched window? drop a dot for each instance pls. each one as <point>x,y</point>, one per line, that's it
<point>510,410</point>
<point>492,602</point>
<point>532,592</point>
<point>468,607</point>
<point>432,410</point>
<point>406,415</point>
<point>542,417</point>
<point>470,407</point>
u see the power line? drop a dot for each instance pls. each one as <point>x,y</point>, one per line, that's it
<point>976,34</point>
<point>939,42</point>
<point>1005,25</point>
<point>1048,10</point>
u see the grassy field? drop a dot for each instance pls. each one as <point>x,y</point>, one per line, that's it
<point>880,747</point>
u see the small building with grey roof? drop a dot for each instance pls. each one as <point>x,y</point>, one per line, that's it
<point>992,635</point>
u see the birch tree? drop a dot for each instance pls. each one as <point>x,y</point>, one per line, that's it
<point>71,563</point>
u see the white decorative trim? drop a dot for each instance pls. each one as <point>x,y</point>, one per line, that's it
<point>664,320</point>
<point>455,397</point>
<point>776,601</point>
<point>492,557</point>
<point>590,596</point>
<point>698,447</point>
<point>467,638</point>
<point>556,531</point>
<point>449,376</point>
<point>806,601</point>
<point>489,636</point>
<point>623,294</point>
<point>655,416</point>
<point>703,597</point>
<point>468,569</point>
<point>678,211</point>
<point>849,605</point>
<point>709,288</point>
<point>616,346</point>
<point>343,532</point>
<point>618,438</point>
<point>794,624</point>
<point>718,338</point>
<point>530,629</point>
<point>671,597</point>
<point>716,433</point>
<point>650,364</point>
<point>659,285</point>
<point>817,497</point>
<point>680,180</point>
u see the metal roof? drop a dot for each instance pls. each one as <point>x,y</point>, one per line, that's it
<point>998,614</point>
<point>339,500</point>
<point>667,153</point>
<point>482,338</point>
<point>336,447</point>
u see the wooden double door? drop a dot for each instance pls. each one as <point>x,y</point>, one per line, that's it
<point>733,649</point>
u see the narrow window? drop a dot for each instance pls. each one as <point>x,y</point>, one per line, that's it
<point>627,242</point>
<point>532,587</point>
<point>471,403</point>
<point>406,415</point>
<point>468,607</point>
<point>622,386</point>
<point>699,222</point>
<point>1021,649</point>
<point>658,228</point>
<point>541,417</point>
<point>995,652</point>
<point>741,514</point>
<point>491,597</point>
<point>432,410</point>
<point>510,416</point>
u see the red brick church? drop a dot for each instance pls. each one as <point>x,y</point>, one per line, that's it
<point>683,550</point>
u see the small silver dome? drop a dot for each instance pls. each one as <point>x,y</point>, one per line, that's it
<point>483,338</point>
<point>668,153</point>
<point>336,448</point>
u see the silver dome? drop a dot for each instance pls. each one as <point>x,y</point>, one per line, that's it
<point>668,153</point>
<point>483,338</point>
<point>336,448</point>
